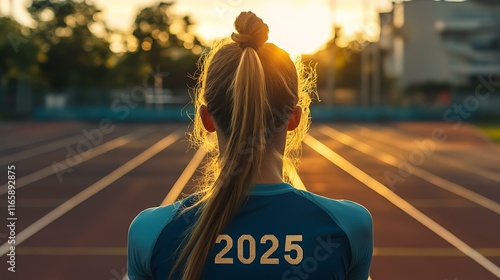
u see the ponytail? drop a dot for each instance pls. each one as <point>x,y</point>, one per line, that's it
<point>242,83</point>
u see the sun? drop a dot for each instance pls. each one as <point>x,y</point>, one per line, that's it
<point>300,29</point>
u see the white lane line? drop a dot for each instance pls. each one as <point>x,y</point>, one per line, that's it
<point>36,202</point>
<point>72,251</point>
<point>297,182</point>
<point>430,252</point>
<point>41,149</point>
<point>402,204</point>
<point>369,133</point>
<point>442,203</point>
<point>61,166</point>
<point>30,141</point>
<point>93,189</point>
<point>417,171</point>
<point>182,181</point>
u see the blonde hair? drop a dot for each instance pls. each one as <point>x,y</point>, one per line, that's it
<point>250,88</point>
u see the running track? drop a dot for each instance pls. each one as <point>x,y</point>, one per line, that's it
<point>437,217</point>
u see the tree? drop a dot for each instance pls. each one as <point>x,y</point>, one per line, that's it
<point>165,39</point>
<point>18,53</point>
<point>19,58</point>
<point>70,33</point>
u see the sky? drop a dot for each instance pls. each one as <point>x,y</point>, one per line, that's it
<point>298,26</point>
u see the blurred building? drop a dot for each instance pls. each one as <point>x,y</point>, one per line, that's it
<point>429,41</point>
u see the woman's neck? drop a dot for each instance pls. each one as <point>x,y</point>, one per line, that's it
<point>271,171</point>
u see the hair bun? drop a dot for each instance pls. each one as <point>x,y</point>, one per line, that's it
<point>252,31</point>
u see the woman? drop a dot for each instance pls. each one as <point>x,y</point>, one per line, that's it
<point>248,222</point>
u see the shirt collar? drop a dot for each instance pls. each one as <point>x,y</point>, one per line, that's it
<point>270,189</point>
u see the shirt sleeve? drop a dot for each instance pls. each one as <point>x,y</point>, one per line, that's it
<point>356,221</point>
<point>142,236</point>
<point>135,252</point>
<point>362,257</point>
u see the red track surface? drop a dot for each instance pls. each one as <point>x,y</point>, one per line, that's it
<point>89,240</point>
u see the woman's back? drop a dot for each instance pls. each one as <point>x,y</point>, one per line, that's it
<point>252,113</point>
<point>279,233</point>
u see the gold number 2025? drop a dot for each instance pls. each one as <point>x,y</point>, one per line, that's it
<point>291,244</point>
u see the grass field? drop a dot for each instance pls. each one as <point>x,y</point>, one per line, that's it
<point>491,130</point>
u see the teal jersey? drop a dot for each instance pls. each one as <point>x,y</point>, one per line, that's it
<point>279,233</point>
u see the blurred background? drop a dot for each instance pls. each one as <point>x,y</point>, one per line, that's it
<point>375,59</point>
<point>95,100</point>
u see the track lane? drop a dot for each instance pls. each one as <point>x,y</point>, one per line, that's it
<point>91,221</point>
<point>463,221</point>
<point>101,222</point>
<point>402,204</point>
<point>415,170</point>
<point>67,166</point>
<point>51,190</point>
<point>458,145</point>
<point>393,229</point>
<point>435,149</point>
<point>91,190</point>
<point>26,135</point>
<point>142,188</point>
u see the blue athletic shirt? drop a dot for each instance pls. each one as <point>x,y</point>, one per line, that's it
<point>279,233</point>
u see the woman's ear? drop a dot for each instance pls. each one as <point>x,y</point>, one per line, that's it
<point>294,120</point>
<point>206,119</point>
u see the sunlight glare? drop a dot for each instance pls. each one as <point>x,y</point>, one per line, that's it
<point>301,30</point>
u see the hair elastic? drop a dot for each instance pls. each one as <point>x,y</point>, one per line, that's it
<point>250,44</point>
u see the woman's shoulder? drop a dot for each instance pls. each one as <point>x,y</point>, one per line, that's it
<point>153,214</point>
<point>143,233</point>
<point>151,221</point>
